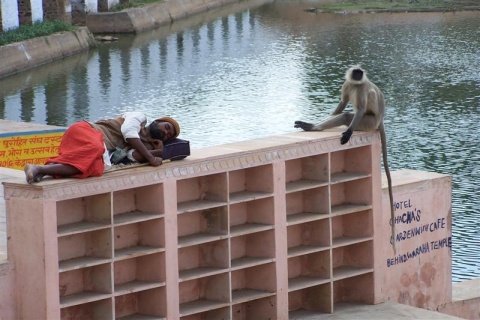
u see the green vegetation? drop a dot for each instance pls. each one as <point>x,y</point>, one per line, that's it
<point>124,4</point>
<point>397,5</point>
<point>37,29</point>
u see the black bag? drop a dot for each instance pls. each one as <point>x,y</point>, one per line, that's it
<point>176,149</point>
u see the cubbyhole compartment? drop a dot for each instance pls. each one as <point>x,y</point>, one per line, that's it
<point>308,270</point>
<point>217,314</point>
<point>309,237</point>
<point>249,184</point>
<point>253,283</point>
<point>97,310</point>
<point>202,226</point>
<point>352,228</point>
<point>308,205</point>
<point>261,309</point>
<point>311,301</point>
<point>352,196</point>
<point>251,216</point>
<point>83,214</point>
<point>85,249</point>
<point>203,260</point>
<point>306,173</point>
<point>252,249</point>
<point>137,239</point>
<point>148,304</point>
<point>352,260</point>
<point>350,164</point>
<point>358,289</point>
<point>201,193</point>
<point>85,285</point>
<point>203,295</point>
<point>138,204</point>
<point>137,274</point>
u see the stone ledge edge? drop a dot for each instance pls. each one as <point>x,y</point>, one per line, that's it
<point>135,20</point>
<point>21,56</point>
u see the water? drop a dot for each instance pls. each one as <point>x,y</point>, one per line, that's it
<point>252,73</point>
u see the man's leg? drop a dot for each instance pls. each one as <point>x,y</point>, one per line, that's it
<point>35,173</point>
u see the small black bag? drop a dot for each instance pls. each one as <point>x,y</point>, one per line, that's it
<point>176,149</point>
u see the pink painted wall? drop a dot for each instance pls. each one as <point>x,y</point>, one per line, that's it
<point>7,291</point>
<point>419,274</point>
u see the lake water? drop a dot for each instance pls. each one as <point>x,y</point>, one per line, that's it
<point>251,73</point>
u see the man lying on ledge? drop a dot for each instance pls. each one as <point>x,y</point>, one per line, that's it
<point>86,147</point>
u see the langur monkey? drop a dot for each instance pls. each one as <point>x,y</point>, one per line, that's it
<point>369,110</point>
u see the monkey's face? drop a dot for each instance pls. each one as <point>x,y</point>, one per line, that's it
<point>357,74</point>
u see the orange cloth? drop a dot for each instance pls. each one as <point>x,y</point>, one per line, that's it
<point>82,147</point>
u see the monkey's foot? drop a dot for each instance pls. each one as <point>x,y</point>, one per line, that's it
<point>303,125</point>
<point>32,173</point>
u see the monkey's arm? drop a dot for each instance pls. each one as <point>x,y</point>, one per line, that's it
<point>353,125</point>
<point>340,107</point>
<point>344,99</point>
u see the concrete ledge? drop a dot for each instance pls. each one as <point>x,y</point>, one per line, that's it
<point>465,300</point>
<point>17,57</point>
<point>386,310</point>
<point>135,20</point>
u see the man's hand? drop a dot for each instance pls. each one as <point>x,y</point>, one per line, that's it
<point>155,161</point>
<point>156,144</point>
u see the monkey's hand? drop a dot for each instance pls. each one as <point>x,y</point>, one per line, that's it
<point>346,136</point>
<point>303,125</point>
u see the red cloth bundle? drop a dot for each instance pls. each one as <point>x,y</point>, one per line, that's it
<point>82,147</point>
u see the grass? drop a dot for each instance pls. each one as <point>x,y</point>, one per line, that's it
<point>125,4</point>
<point>37,29</point>
<point>397,5</point>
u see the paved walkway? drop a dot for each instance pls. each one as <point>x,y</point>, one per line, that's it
<point>382,311</point>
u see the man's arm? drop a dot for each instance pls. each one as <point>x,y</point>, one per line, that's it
<point>130,129</point>
<point>141,154</point>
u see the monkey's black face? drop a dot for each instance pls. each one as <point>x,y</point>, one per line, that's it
<point>357,74</point>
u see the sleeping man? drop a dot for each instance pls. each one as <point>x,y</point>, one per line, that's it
<point>86,147</point>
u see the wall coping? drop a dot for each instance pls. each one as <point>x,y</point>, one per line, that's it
<point>201,162</point>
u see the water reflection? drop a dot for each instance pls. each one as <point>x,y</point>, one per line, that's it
<point>252,72</point>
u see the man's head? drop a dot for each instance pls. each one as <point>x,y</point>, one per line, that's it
<point>164,129</point>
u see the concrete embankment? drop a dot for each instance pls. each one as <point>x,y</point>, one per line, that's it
<point>20,56</point>
<point>140,19</point>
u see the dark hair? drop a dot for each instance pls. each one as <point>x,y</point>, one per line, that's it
<point>155,131</point>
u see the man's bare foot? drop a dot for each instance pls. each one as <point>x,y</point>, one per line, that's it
<point>32,173</point>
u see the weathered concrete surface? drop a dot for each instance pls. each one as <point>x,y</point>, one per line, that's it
<point>382,311</point>
<point>135,20</point>
<point>465,301</point>
<point>17,57</point>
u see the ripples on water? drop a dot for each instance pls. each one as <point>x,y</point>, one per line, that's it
<point>253,73</point>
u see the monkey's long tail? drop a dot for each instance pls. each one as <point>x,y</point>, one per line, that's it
<point>383,139</point>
